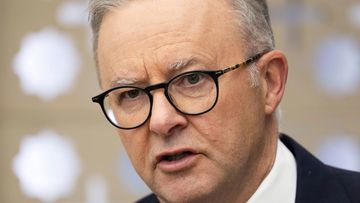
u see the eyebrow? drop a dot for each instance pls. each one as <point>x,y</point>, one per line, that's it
<point>173,67</point>
<point>123,82</point>
<point>181,64</point>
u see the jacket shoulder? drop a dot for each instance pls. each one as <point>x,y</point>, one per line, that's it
<point>149,199</point>
<point>318,182</point>
<point>350,181</point>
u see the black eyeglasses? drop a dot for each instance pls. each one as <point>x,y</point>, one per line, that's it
<point>191,93</point>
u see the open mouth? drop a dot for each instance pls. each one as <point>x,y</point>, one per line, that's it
<point>176,160</point>
<point>176,157</point>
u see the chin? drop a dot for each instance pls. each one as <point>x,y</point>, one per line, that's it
<point>183,197</point>
<point>187,189</point>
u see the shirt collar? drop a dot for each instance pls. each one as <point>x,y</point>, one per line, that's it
<point>280,184</point>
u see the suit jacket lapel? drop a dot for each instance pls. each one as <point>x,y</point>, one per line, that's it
<point>316,182</point>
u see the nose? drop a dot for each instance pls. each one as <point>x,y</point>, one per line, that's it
<point>164,117</point>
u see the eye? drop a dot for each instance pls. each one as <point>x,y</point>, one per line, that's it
<point>193,78</point>
<point>131,94</point>
<point>126,97</point>
<point>190,80</point>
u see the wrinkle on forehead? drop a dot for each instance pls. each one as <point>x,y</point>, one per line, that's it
<point>168,19</point>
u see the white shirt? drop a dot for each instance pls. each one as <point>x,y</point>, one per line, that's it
<point>280,184</point>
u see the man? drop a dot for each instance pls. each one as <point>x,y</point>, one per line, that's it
<point>193,88</point>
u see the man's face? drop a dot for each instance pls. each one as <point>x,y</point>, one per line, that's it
<point>220,152</point>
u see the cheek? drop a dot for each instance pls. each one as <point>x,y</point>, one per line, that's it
<point>240,104</point>
<point>218,132</point>
<point>224,144</point>
<point>233,123</point>
<point>135,144</point>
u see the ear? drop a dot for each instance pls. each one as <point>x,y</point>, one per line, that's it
<point>273,75</point>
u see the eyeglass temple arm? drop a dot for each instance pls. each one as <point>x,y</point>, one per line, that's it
<point>250,60</point>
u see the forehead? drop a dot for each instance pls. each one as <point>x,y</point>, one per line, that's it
<point>153,33</point>
<point>143,18</point>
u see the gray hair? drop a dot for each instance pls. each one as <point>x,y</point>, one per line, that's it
<point>252,17</point>
<point>255,30</point>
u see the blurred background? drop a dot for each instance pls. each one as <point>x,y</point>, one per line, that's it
<point>56,146</point>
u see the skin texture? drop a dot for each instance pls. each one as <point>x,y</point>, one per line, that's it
<point>236,141</point>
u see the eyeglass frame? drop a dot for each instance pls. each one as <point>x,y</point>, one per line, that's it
<point>214,74</point>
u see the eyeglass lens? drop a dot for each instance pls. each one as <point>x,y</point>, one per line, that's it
<point>190,93</point>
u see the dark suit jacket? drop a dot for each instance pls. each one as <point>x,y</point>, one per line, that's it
<point>316,182</point>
